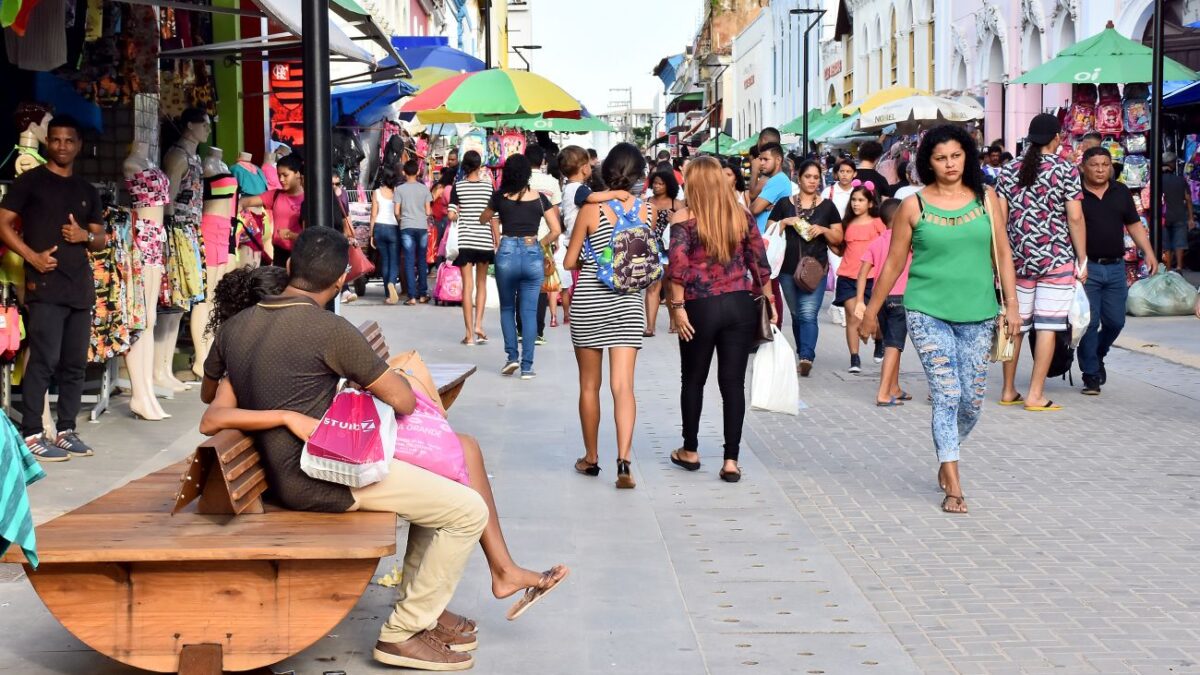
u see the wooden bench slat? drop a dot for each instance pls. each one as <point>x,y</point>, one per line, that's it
<point>242,463</point>
<point>244,485</point>
<point>278,535</point>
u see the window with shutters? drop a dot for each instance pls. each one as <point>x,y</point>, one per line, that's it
<point>929,54</point>
<point>848,60</point>
<point>892,37</point>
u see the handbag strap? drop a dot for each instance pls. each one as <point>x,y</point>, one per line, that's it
<point>755,276</point>
<point>995,250</point>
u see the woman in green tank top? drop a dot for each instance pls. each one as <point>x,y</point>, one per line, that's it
<point>951,301</point>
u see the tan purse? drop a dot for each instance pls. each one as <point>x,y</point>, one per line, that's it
<point>1003,347</point>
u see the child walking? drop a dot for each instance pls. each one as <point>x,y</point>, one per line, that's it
<point>892,320</point>
<point>860,226</point>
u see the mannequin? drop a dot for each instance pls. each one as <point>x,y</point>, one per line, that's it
<point>33,121</point>
<point>220,206</point>
<point>251,183</point>
<point>149,189</point>
<point>183,168</point>
<point>268,167</point>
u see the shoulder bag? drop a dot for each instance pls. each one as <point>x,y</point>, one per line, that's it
<point>762,306</point>
<point>1002,341</point>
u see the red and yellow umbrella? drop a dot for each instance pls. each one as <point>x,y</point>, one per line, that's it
<point>467,97</point>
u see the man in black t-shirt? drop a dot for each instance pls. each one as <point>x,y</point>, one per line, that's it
<point>868,154</point>
<point>1178,219</point>
<point>1108,211</point>
<point>60,221</point>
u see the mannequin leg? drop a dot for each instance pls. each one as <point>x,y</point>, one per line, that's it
<point>166,334</point>
<point>200,315</point>
<point>140,358</point>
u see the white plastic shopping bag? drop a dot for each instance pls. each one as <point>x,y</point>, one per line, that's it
<point>776,246</point>
<point>452,241</point>
<point>1080,315</point>
<point>773,384</point>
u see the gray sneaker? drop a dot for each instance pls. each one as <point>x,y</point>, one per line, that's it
<point>44,451</point>
<point>510,368</point>
<point>70,441</point>
<point>528,375</point>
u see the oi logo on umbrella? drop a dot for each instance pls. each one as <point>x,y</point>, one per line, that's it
<point>1084,76</point>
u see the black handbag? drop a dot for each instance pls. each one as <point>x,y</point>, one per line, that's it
<point>762,305</point>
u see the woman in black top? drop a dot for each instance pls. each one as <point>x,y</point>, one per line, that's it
<point>515,212</point>
<point>807,219</point>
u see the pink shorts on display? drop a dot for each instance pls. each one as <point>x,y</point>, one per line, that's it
<point>1045,301</point>
<point>215,230</point>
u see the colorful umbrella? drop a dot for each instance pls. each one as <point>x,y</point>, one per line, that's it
<point>498,91</point>
<point>722,144</point>
<point>1105,58</point>
<point>918,111</point>
<point>882,97</point>
<point>552,124</point>
<point>424,78</point>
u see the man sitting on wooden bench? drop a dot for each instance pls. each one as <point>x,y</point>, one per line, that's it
<point>288,353</point>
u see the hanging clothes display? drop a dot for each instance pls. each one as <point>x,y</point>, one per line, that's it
<point>111,274</point>
<point>21,469</point>
<point>183,284</point>
<point>42,45</point>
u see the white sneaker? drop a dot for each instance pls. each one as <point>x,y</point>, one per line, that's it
<point>837,315</point>
<point>348,296</point>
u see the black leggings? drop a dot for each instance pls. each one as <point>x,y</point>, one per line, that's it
<point>724,324</point>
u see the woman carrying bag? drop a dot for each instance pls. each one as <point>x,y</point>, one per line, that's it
<point>959,246</point>
<point>715,250</point>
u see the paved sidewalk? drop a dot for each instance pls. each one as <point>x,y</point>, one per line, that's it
<point>1079,555</point>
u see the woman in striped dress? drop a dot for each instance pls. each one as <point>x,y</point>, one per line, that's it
<point>476,248</point>
<point>603,319</point>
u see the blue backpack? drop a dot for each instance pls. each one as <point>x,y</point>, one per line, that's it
<point>631,262</point>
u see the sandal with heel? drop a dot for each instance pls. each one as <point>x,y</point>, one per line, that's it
<point>587,468</point>
<point>624,477</point>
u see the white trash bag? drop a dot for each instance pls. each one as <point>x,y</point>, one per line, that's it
<point>1080,315</point>
<point>774,385</point>
<point>776,247</point>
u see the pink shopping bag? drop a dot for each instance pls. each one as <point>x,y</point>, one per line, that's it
<point>425,439</point>
<point>354,441</point>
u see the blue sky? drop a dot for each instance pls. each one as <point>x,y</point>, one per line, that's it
<point>589,46</point>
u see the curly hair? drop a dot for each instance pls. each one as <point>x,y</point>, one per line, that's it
<point>243,288</point>
<point>972,173</point>
<point>515,179</point>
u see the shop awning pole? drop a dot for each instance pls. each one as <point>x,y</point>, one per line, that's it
<point>1156,133</point>
<point>318,147</point>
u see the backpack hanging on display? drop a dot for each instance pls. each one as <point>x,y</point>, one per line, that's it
<point>1137,108</point>
<point>1108,112</point>
<point>631,261</point>
<point>1115,149</point>
<point>1082,115</point>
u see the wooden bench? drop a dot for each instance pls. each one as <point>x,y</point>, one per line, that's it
<point>204,577</point>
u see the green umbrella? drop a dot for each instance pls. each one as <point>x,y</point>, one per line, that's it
<point>553,124</point>
<point>711,145</point>
<point>840,130</point>
<point>741,147</point>
<point>1105,58</point>
<point>796,126</point>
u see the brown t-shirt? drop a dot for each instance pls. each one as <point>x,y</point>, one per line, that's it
<point>287,353</point>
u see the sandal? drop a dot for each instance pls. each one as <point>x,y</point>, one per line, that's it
<point>466,341</point>
<point>410,302</point>
<point>1019,400</point>
<point>730,476</point>
<point>690,466</point>
<point>481,338</point>
<point>960,503</point>
<point>535,593</point>
<point>1049,407</point>
<point>890,403</point>
<point>587,468</point>
<point>904,396</point>
<point>624,477</point>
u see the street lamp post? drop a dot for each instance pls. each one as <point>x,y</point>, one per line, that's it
<point>517,50</point>
<point>1156,132</point>
<point>815,22</point>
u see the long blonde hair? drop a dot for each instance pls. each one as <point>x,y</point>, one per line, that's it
<point>720,221</point>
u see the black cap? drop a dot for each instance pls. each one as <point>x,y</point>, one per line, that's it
<point>1043,128</point>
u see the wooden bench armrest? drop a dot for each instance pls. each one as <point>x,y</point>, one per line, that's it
<point>225,474</point>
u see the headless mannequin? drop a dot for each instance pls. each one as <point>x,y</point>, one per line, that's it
<point>248,256</point>
<point>166,333</point>
<point>140,357</point>
<point>222,207</point>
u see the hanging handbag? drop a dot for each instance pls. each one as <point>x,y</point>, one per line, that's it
<point>762,304</point>
<point>360,265</point>
<point>810,273</point>
<point>1003,347</point>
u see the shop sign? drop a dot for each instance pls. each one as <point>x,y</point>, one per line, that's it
<point>748,82</point>
<point>832,69</point>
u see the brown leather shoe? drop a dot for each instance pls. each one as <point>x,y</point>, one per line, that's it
<point>423,652</point>
<point>457,642</point>
<point>457,623</point>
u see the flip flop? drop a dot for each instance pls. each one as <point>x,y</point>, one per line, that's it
<point>481,339</point>
<point>690,466</point>
<point>958,502</point>
<point>904,396</point>
<point>890,403</point>
<point>1049,407</point>
<point>1019,400</point>
<point>535,593</point>
<point>464,342</point>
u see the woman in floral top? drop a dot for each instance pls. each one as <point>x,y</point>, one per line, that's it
<point>718,262</point>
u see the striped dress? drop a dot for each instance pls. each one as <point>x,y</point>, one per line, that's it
<point>601,317</point>
<point>469,199</point>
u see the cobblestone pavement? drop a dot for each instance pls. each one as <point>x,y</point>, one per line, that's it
<point>831,556</point>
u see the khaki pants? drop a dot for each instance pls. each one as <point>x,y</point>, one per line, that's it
<point>446,520</point>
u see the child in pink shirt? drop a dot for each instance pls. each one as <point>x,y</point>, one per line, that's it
<point>892,320</point>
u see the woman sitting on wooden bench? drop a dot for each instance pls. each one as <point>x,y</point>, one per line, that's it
<point>245,288</point>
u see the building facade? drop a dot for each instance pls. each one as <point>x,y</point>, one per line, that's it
<point>752,68</point>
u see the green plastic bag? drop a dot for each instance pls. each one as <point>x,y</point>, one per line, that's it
<point>1164,294</point>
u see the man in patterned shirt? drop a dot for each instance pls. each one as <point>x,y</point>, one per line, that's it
<point>1041,201</point>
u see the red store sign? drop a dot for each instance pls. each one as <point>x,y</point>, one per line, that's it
<point>748,82</point>
<point>833,69</point>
